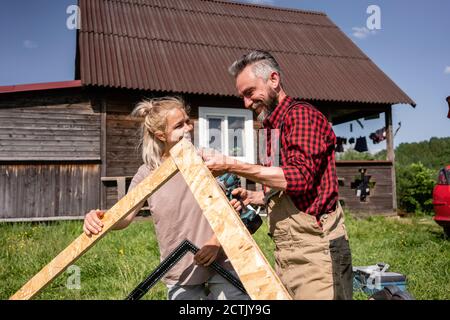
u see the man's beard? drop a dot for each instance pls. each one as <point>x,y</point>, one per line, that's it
<point>268,105</point>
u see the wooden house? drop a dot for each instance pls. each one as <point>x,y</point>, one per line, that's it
<point>69,147</point>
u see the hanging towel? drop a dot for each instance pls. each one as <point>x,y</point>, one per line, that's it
<point>361,144</point>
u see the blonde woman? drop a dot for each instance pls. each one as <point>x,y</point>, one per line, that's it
<point>175,212</point>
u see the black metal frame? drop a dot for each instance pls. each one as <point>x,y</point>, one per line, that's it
<point>172,259</point>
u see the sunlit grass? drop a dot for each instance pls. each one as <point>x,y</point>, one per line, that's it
<point>113,267</point>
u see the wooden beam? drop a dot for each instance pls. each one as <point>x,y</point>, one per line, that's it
<point>353,115</point>
<point>78,247</point>
<point>103,152</point>
<point>121,187</point>
<point>248,261</point>
<point>391,153</point>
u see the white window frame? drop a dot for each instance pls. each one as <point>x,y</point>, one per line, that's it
<point>205,112</point>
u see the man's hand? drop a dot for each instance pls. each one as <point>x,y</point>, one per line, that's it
<point>92,223</point>
<point>247,197</point>
<point>208,253</point>
<point>216,162</point>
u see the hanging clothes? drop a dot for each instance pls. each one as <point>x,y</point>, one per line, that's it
<point>361,144</point>
<point>351,140</point>
<point>378,136</point>
<point>340,141</point>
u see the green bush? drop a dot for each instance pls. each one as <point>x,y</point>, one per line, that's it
<point>415,185</point>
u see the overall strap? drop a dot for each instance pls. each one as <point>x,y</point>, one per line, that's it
<point>273,192</point>
<point>283,117</point>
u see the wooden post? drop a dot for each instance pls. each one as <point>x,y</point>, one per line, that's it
<point>121,187</point>
<point>255,272</point>
<point>391,153</point>
<point>103,153</point>
<point>78,247</point>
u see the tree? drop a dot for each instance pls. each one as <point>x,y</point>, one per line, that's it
<point>415,185</point>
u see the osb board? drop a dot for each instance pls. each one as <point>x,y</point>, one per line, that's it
<point>248,261</point>
<point>78,247</point>
<point>253,269</point>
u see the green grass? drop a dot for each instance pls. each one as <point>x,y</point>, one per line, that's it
<point>111,269</point>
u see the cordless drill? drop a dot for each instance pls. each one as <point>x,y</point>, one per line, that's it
<point>229,182</point>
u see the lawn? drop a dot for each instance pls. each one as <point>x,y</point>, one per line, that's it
<point>415,247</point>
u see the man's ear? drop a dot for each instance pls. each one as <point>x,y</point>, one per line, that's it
<point>274,80</point>
<point>160,135</point>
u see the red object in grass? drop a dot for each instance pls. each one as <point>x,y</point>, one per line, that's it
<point>441,200</point>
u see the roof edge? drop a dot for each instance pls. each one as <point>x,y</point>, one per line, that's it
<point>268,6</point>
<point>40,86</point>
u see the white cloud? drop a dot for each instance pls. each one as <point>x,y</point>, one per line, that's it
<point>447,70</point>
<point>28,44</point>
<point>362,33</point>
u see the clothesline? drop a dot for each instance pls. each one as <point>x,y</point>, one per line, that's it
<point>361,142</point>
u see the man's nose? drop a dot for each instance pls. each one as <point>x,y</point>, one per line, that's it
<point>188,127</point>
<point>248,102</point>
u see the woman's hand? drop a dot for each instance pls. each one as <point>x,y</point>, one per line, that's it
<point>208,253</point>
<point>92,223</point>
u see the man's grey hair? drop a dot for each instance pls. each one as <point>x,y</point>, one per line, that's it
<point>263,64</point>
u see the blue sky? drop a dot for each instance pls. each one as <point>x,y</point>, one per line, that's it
<point>412,48</point>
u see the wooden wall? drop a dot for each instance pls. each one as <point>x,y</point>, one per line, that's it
<point>380,199</point>
<point>50,159</point>
<point>123,155</point>
<point>33,191</point>
<point>54,132</point>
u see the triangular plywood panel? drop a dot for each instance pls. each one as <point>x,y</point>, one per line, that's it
<point>252,267</point>
<point>255,273</point>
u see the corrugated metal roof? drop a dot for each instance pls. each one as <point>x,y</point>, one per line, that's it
<point>186,47</point>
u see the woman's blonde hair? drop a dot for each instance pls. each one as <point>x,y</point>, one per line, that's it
<point>154,111</point>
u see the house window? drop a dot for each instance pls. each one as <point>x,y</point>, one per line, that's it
<point>229,131</point>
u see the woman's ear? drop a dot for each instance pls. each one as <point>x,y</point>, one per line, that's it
<point>160,135</point>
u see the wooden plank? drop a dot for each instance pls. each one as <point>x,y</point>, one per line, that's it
<point>61,149</point>
<point>48,116</point>
<point>55,144</point>
<point>248,261</point>
<point>42,219</point>
<point>44,157</point>
<point>46,132</point>
<point>78,247</point>
<point>75,108</point>
<point>3,192</point>
<point>53,129</point>
<point>121,188</point>
<point>103,149</point>
<point>36,123</point>
<point>115,178</point>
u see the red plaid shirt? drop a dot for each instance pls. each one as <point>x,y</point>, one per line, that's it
<point>307,155</point>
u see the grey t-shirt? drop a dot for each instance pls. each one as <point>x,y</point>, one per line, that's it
<point>177,216</point>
